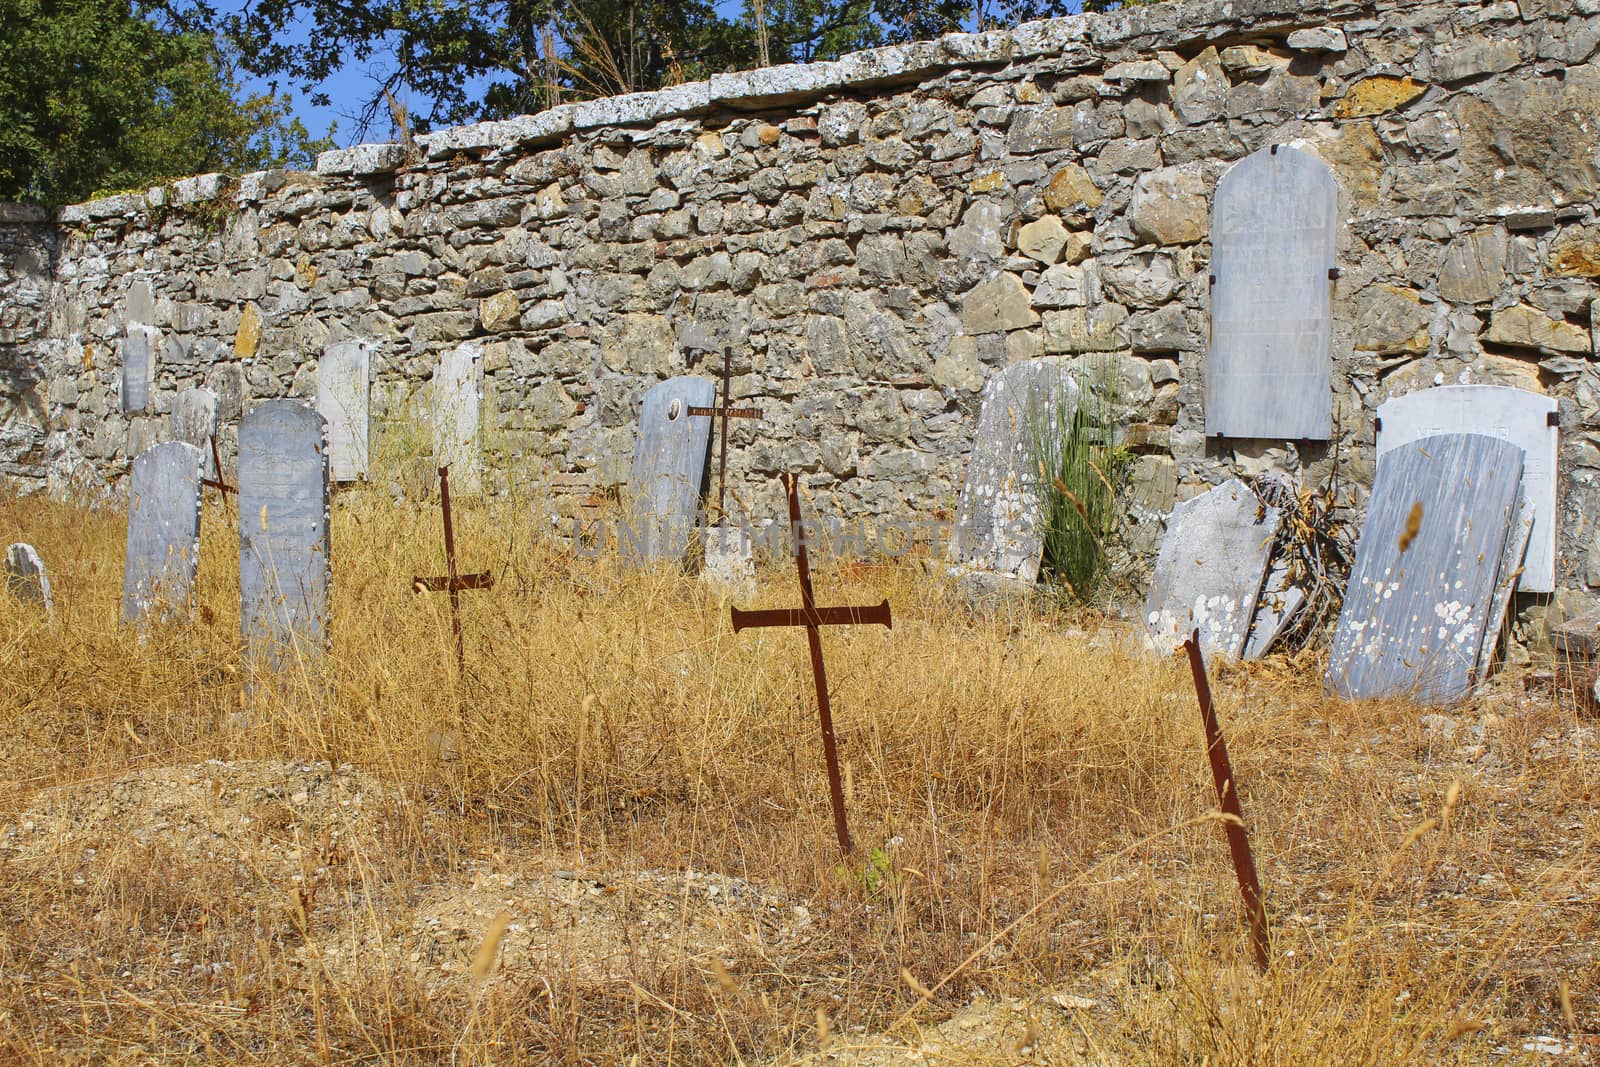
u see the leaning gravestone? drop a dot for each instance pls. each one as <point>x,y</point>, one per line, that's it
<point>163,533</point>
<point>1512,563</point>
<point>283,532</point>
<point>1428,564</point>
<point>26,578</point>
<point>1000,519</point>
<point>344,398</point>
<point>669,468</point>
<point>1516,415</point>
<point>1280,605</point>
<point>457,398</point>
<point>1273,226</point>
<point>138,367</point>
<point>1210,571</point>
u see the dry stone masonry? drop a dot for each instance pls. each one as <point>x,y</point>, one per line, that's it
<point>878,237</point>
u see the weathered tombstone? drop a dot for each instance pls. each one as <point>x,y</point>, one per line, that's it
<point>457,397</point>
<point>163,533</point>
<point>344,398</point>
<point>283,532</point>
<point>1516,415</point>
<point>1273,226</point>
<point>194,417</point>
<point>1000,519</point>
<point>26,578</point>
<point>1280,605</point>
<point>141,302</point>
<point>669,468</point>
<point>1210,570</point>
<point>1512,563</point>
<point>1427,565</point>
<point>138,367</point>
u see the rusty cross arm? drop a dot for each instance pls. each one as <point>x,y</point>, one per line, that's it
<point>453,582</point>
<point>216,464</point>
<point>813,618</point>
<point>724,412</point>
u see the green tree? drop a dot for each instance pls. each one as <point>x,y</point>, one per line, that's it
<point>104,94</point>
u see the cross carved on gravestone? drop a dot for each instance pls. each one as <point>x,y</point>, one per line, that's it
<point>724,412</point>
<point>812,617</point>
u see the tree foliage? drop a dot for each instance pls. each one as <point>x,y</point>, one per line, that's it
<point>98,95</point>
<point>456,61</point>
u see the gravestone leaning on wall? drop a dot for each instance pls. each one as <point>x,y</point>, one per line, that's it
<point>878,237</point>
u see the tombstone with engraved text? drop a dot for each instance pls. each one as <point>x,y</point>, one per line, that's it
<point>1274,223</point>
<point>163,546</point>
<point>284,549</point>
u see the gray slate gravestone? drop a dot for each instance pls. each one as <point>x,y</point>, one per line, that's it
<point>999,521</point>
<point>1514,415</point>
<point>138,367</point>
<point>1281,603</point>
<point>1273,226</point>
<point>457,396</point>
<point>283,531</point>
<point>194,417</point>
<point>163,532</point>
<point>1413,621</point>
<point>669,468</point>
<point>1210,570</point>
<point>344,398</point>
<point>26,578</point>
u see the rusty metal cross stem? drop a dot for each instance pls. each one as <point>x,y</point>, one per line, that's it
<point>452,582</point>
<point>812,617</point>
<point>1244,863</point>
<point>217,483</point>
<point>724,412</point>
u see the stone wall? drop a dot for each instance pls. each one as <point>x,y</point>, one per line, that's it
<point>876,236</point>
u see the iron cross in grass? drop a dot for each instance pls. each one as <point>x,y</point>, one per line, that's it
<point>724,412</point>
<point>813,618</point>
<point>452,582</point>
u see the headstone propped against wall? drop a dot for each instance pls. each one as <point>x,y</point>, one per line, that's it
<point>26,578</point>
<point>1000,519</point>
<point>138,367</point>
<point>194,417</point>
<point>456,411</point>
<point>1516,415</point>
<point>669,469</point>
<point>163,533</point>
<point>1428,565</point>
<point>344,398</point>
<point>1210,571</point>
<point>284,552</point>
<point>1274,224</point>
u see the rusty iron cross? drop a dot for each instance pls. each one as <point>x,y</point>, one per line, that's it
<point>812,617</point>
<point>1244,863</point>
<point>217,483</point>
<point>452,582</point>
<point>724,412</point>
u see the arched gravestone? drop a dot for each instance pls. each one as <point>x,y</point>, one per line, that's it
<point>1000,519</point>
<point>1516,415</point>
<point>344,398</point>
<point>283,532</point>
<point>669,468</point>
<point>1419,601</point>
<point>194,417</point>
<point>163,533</point>
<point>457,397</point>
<point>138,367</point>
<point>1273,226</point>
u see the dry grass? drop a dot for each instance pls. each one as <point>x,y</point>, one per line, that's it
<point>628,800</point>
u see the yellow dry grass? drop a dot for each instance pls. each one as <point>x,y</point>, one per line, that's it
<point>611,843</point>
